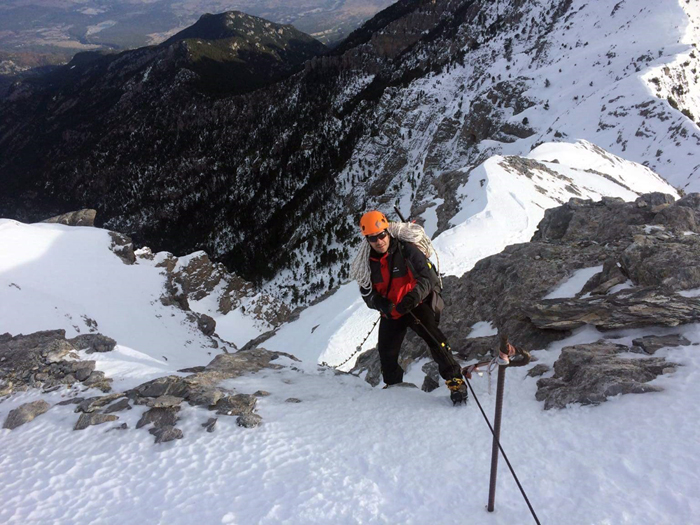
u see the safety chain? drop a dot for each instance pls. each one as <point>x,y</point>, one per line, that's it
<point>359,348</point>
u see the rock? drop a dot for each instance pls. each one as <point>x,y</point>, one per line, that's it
<point>84,217</point>
<point>120,405</point>
<point>432,376</point>
<point>651,343</point>
<point>122,247</point>
<point>71,401</point>
<point>292,400</point>
<point>123,426</point>
<point>25,413</point>
<point>672,263</point>
<point>92,404</point>
<point>429,384</point>
<point>205,396</point>
<point>249,420</point>
<point>261,393</point>
<point>625,309</point>
<point>600,283</point>
<point>192,370</point>
<point>160,417</point>
<point>98,379</point>
<point>590,373</point>
<point>206,324</point>
<point>166,433</point>
<point>228,366</point>
<point>165,401</point>
<point>235,405</point>
<point>538,370</point>
<point>168,385</point>
<point>86,420</point>
<point>210,424</point>
<point>93,343</point>
<point>476,347</point>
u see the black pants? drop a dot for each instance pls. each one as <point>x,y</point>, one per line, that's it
<point>392,333</point>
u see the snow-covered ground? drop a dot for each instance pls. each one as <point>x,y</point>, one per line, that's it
<point>348,453</point>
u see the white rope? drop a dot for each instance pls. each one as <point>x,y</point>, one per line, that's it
<point>403,231</point>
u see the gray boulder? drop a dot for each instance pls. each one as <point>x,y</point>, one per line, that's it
<point>590,373</point>
<point>626,309</point>
<point>93,343</point>
<point>236,405</point>
<point>249,420</point>
<point>649,344</point>
<point>166,433</point>
<point>86,420</point>
<point>160,417</point>
<point>84,217</point>
<point>25,413</point>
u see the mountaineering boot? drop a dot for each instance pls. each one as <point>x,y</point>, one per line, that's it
<point>458,390</point>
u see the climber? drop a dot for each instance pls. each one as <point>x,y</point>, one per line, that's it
<point>396,278</point>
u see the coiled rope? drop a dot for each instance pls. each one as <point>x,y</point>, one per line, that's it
<point>403,231</point>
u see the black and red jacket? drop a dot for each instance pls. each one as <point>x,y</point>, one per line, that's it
<point>403,275</point>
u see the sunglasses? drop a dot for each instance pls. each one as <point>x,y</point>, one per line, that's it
<point>379,236</point>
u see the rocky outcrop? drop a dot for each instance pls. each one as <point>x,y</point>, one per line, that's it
<point>75,218</point>
<point>633,308</point>
<point>195,276</point>
<point>590,373</point>
<point>123,247</point>
<point>48,360</point>
<point>25,413</point>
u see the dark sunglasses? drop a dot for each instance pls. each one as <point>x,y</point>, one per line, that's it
<point>379,236</point>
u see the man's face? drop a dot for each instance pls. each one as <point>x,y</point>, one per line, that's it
<point>380,241</point>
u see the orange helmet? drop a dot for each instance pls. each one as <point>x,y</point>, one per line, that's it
<point>373,222</point>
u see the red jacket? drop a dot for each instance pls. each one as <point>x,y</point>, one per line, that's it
<point>403,275</point>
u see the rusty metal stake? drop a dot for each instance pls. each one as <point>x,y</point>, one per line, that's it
<point>496,436</point>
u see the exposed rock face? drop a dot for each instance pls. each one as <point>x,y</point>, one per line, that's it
<point>193,277</point>
<point>92,343</point>
<point>47,360</point>
<point>75,218</point>
<point>25,413</point>
<point>122,247</point>
<point>86,420</point>
<point>650,245</point>
<point>588,374</point>
<point>649,344</point>
<point>632,308</point>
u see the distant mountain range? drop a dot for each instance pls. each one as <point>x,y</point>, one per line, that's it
<point>63,28</point>
<point>271,178</point>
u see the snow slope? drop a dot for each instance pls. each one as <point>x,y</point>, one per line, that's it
<point>347,453</point>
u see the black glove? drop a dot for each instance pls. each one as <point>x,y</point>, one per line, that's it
<point>384,305</point>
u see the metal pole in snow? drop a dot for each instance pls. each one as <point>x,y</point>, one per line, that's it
<point>496,436</point>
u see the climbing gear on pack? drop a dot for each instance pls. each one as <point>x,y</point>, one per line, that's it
<point>402,231</point>
<point>458,390</point>
<point>373,222</point>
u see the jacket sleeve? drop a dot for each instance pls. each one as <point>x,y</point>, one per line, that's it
<point>370,298</point>
<point>422,273</point>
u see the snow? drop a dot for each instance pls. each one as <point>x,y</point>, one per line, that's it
<point>348,453</point>
<point>503,207</point>
<point>572,285</point>
<point>482,329</point>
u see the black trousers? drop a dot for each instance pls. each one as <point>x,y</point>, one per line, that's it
<point>391,336</point>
